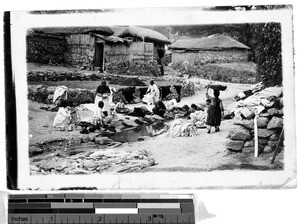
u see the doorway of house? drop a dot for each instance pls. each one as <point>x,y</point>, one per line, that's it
<point>99,55</point>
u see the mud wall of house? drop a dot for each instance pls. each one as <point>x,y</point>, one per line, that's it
<point>116,52</point>
<point>141,51</point>
<point>203,57</point>
<point>46,49</point>
<point>80,50</point>
<point>121,52</point>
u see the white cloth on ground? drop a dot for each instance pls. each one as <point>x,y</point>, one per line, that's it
<point>171,104</point>
<point>89,106</point>
<point>60,91</point>
<point>182,128</point>
<point>198,116</point>
<point>62,118</point>
<point>146,99</point>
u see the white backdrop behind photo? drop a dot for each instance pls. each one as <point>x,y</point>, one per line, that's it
<point>229,206</point>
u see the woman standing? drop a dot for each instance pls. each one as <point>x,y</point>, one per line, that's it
<point>154,92</point>
<point>102,94</point>
<point>214,112</point>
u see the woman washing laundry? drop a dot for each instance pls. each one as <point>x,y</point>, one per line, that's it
<point>153,91</point>
<point>102,94</point>
<point>214,111</point>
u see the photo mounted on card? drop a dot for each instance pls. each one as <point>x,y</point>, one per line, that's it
<point>155,98</point>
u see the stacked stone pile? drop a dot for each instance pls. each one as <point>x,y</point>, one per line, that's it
<point>136,68</point>
<point>39,93</point>
<point>269,122</point>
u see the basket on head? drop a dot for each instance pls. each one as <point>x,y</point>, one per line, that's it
<point>217,87</point>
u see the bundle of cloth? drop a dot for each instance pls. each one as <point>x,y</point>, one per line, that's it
<point>66,118</point>
<point>182,128</point>
<point>198,118</point>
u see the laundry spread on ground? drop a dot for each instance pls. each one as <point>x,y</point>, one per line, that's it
<point>103,161</point>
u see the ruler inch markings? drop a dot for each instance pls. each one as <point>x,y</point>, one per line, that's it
<point>101,209</point>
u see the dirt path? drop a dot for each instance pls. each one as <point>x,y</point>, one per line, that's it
<point>202,152</point>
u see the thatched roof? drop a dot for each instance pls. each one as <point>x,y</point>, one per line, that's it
<point>112,39</point>
<point>144,34</point>
<point>103,30</point>
<point>208,43</point>
<point>118,29</point>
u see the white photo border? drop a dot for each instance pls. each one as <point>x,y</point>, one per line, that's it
<point>22,21</point>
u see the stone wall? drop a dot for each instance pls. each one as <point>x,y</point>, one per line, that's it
<point>204,57</point>
<point>80,51</point>
<point>46,49</point>
<point>39,76</point>
<point>134,94</point>
<point>269,124</point>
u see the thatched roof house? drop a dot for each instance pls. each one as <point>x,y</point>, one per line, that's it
<point>144,35</point>
<point>209,49</point>
<point>91,47</point>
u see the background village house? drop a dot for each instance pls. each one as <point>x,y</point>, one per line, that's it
<point>211,49</point>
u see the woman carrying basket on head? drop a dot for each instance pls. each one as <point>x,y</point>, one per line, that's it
<point>102,94</point>
<point>214,111</point>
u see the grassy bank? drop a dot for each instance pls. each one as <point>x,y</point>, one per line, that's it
<point>238,72</point>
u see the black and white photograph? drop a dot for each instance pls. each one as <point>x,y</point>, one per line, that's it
<point>137,98</point>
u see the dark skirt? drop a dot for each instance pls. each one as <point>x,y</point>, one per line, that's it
<point>213,116</point>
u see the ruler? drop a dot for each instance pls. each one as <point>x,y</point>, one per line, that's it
<point>100,209</point>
